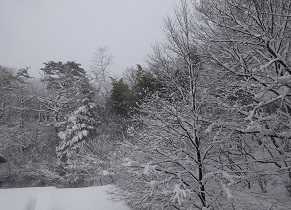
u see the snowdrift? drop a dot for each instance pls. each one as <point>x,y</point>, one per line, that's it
<point>51,198</point>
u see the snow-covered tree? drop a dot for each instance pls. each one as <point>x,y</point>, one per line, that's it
<point>81,124</point>
<point>220,136</point>
<point>25,141</point>
<point>172,160</point>
<point>61,81</point>
<point>60,93</point>
<point>248,43</point>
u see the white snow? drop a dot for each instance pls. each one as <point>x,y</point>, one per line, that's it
<point>51,198</point>
<point>285,80</point>
<point>148,169</point>
<point>153,184</point>
<point>180,194</point>
<point>106,173</point>
<point>228,192</point>
<point>62,135</point>
<point>209,128</point>
<point>131,164</point>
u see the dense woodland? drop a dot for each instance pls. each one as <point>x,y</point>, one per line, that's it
<point>206,124</point>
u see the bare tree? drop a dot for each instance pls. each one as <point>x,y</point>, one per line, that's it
<point>101,60</point>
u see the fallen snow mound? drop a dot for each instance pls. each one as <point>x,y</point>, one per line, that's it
<point>51,198</point>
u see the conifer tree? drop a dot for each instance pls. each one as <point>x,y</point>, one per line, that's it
<point>80,124</point>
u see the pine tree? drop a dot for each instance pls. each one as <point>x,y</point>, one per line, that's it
<point>80,124</point>
<point>121,100</point>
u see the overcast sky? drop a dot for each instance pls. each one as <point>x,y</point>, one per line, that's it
<point>37,31</point>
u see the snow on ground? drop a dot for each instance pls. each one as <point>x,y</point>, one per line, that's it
<point>51,198</point>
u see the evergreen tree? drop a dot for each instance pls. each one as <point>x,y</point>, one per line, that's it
<point>145,84</point>
<point>61,83</point>
<point>80,124</point>
<point>121,100</point>
<point>124,97</point>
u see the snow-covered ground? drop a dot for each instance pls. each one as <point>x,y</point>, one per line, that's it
<point>51,198</point>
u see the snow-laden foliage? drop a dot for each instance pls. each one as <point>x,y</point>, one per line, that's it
<point>248,43</point>
<point>218,136</point>
<point>61,88</point>
<point>174,161</point>
<point>211,115</point>
<point>80,126</point>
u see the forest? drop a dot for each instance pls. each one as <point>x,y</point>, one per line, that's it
<point>205,124</point>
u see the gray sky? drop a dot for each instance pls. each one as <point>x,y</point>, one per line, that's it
<point>37,31</point>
